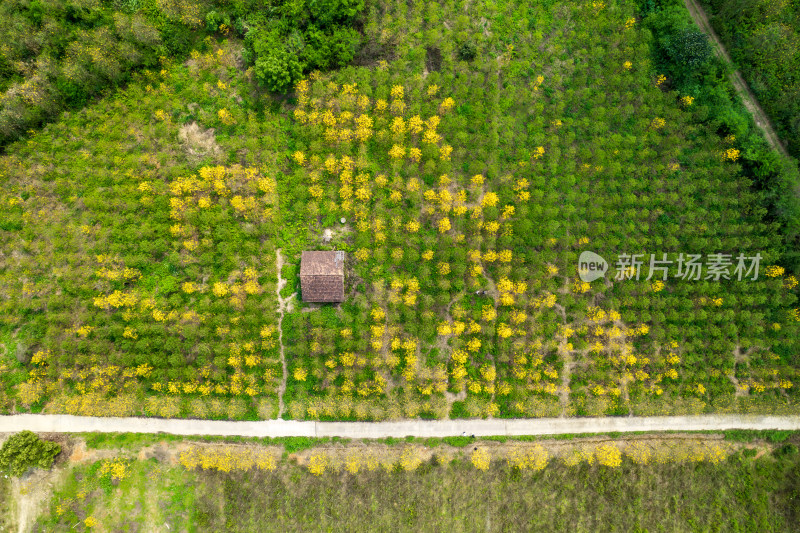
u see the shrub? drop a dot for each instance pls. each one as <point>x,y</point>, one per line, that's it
<point>682,50</point>
<point>324,50</point>
<point>689,47</point>
<point>328,12</point>
<point>276,67</point>
<point>25,450</point>
<point>467,51</point>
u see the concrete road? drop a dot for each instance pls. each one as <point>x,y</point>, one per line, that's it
<point>374,430</point>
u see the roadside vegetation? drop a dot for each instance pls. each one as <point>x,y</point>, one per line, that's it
<point>26,450</point>
<point>647,482</point>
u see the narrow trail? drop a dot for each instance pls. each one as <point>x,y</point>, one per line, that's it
<point>748,98</point>
<point>284,304</point>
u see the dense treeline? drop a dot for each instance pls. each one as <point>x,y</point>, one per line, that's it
<point>287,38</point>
<point>763,37</point>
<point>57,54</point>
<point>683,53</point>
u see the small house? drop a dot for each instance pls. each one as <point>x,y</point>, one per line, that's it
<point>322,276</point>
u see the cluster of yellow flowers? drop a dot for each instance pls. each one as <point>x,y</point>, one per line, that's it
<point>117,469</point>
<point>116,299</point>
<point>731,154</point>
<point>228,458</point>
<point>774,271</point>
<point>481,459</point>
<point>226,117</point>
<point>533,458</point>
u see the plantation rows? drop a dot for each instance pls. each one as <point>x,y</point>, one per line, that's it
<point>140,236</point>
<point>570,173</point>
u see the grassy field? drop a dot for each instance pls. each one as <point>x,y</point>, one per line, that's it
<point>473,159</point>
<point>749,496</point>
<point>147,494</point>
<point>751,488</point>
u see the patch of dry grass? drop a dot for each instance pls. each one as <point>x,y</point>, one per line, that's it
<point>197,142</point>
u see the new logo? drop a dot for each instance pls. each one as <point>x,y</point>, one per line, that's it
<point>591,266</point>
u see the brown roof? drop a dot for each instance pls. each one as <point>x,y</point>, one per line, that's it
<point>322,263</point>
<point>322,276</point>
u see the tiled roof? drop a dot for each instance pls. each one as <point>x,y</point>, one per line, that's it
<point>322,263</point>
<point>322,276</point>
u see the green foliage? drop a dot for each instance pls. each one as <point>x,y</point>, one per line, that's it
<point>332,49</point>
<point>296,444</point>
<point>57,55</point>
<point>276,68</point>
<point>24,450</point>
<point>689,47</point>
<point>786,451</point>
<point>125,440</point>
<point>682,50</point>
<point>331,12</point>
<point>459,442</point>
<point>467,51</point>
<point>748,435</point>
<point>683,55</point>
<point>308,35</point>
<point>763,37</point>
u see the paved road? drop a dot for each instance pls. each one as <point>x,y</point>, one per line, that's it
<point>373,430</point>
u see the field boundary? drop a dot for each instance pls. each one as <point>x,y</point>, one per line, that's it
<point>405,428</point>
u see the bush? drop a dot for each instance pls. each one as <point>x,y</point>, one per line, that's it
<point>332,49</point>
<point>787,450</point>
<point>328,12</point>
<point>689,47</point>
<point>312,35</point>
<point>683,51</point>
<point>467,51</point>
<point>276,67</point>
<point>25,450</point>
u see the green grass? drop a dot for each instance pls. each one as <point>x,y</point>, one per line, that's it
<point>151,495</point>
<point>6,501</point>
<point>772,436</point>
<point>129,441</point>
<point>135,441</point>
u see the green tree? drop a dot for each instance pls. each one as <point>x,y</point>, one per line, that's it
<point>690,48</point>
<point>25,450</point>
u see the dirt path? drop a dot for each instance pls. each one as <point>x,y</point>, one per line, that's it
<point>30,495</point>
<point>284,305</point>
<point>748,98</point>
